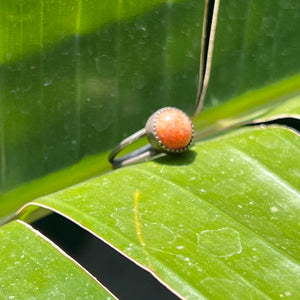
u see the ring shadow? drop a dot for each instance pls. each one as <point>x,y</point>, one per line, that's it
<point>182,159</point>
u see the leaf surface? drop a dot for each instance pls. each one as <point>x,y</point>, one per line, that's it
<point>221,221</point>
<point>290,108</point>
<point>31,267</point>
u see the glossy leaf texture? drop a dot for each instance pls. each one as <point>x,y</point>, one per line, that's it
<point>254,62</point>
<point>222,221</point>
<point>78,76</point>
<point>34,268</point>
<point>287,109</point>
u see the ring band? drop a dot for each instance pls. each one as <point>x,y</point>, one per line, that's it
<point>169,130</point>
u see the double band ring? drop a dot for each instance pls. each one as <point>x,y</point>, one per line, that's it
<point>168,130</point>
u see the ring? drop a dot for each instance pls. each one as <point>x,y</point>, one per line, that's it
<point>168,130</point>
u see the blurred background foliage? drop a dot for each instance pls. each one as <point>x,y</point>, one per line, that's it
<point>254,65</point>
<point>78,76</point>
<point>255,46</point>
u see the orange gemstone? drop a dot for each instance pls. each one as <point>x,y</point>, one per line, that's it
<point>173,129</point>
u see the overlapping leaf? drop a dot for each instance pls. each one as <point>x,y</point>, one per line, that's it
<point>31,267</point>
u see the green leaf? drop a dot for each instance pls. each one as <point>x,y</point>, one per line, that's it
<point>290,108</point>
<point>86,168</point>
<point>31,267</point>
<point>221,221</point>
<point>250,106</point>
<point>75,17</point>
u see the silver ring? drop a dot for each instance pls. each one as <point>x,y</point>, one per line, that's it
<point>168,130</point>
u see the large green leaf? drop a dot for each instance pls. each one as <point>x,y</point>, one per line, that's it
<point>31,267</point>
<point>221,221</point>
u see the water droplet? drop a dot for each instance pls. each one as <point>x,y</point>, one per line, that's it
<point>48,82</point>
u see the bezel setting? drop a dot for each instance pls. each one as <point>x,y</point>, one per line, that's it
<point>152,135</point>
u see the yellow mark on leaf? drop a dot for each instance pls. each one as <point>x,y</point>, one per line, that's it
<point>138,226</point>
